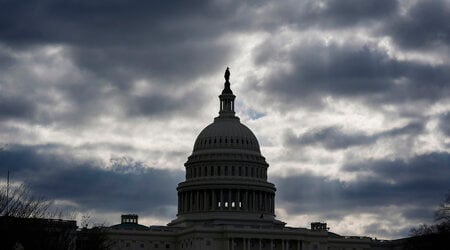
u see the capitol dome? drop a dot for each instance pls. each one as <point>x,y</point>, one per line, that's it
<point>226,133</point>
<point>226,175</point>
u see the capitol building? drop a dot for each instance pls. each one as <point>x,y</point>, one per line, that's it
<point>226,202</point>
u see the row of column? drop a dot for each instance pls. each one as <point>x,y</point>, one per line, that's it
<point>263,244</point>
<point>210,171</point>
<point>225,199</point>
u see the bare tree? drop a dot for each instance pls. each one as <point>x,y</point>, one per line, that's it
<point>443,213</point>
<point>19,201</point>
<point>436,236</point>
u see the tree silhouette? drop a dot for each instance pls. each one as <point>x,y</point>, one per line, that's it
<point>20,202</point>
<point>436,236</point>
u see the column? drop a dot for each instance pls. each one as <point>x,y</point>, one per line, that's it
<point>271,244</point>
<point>184,201</point>
<point>244,201</point>
<point>260,201</point>
<point>272,202</point>
<point>298,245</point>
<point>232,244</point>
<point>238,200</point>
<point>282,245</point>
<point>304,245</point>
<point>260,244</point>
<point>254,201</point>
<point>205,201</point>
<point>197,200</point>
<point>229,199</point>
<point>221,199</point>
<point>213,198</point>
<point>191,201</point>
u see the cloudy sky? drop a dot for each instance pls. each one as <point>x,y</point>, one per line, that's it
<point>101,101</point>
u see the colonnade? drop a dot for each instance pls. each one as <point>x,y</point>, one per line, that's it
<point>225,199</point>
<point>264,244</point>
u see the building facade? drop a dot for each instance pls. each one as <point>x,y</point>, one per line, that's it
<point>226,202</point>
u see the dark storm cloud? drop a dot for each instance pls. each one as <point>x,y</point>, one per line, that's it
<point>416,183</point>
<point>153,39</point>
<point>426,24</point>
<point>444,123</point>
<point>110,45</point>
<point>329,14</point>
<point>350,71</point>
<point>347,13</point>
<point>334,138</point>
<point>15,107</point>
<point>125,186</point>
<point>330,137</point>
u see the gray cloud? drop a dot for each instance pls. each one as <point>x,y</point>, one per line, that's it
<point>416,184</point>
<point>109,46</point>
<point>349,71</point>
<point>121,40</point>
<point>329,14</point>
<point>425,25</point>
<point>125,186</point>
<point>330,138</point>
<point>444,123</point>
<point>334,138</point>
<point>15,107</point>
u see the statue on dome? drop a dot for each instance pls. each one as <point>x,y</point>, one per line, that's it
<point>227,74</point>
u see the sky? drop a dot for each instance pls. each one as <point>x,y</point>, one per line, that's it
<point>101,102</point>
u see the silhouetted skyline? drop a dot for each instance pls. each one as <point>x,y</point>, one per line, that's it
<point>100,104</point>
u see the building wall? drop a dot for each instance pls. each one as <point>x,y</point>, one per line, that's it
<point>238,238</point>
